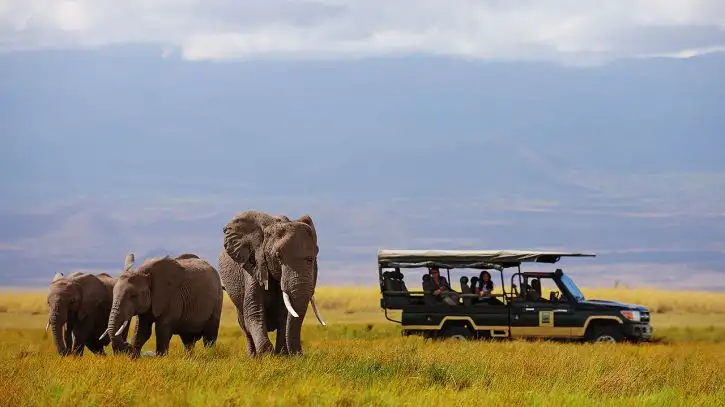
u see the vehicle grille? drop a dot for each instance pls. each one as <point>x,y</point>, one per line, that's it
<point>644,316</point>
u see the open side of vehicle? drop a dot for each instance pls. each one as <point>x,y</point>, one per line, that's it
<point>521,311</point>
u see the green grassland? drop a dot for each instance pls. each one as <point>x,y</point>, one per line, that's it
<point>361,359</point>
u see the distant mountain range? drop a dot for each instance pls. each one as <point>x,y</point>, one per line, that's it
<point>112,151</point>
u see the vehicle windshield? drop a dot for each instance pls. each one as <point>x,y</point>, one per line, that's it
<point>573,289</point>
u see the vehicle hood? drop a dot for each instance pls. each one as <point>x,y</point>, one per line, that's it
<point>616,305</point>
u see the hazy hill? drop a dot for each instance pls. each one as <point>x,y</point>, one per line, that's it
<point>119,150</point>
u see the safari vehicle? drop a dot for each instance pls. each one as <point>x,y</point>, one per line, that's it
<point>520,311</point>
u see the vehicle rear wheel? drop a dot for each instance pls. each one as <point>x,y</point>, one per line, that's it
<point>606,334</point>
<point>457,332</point>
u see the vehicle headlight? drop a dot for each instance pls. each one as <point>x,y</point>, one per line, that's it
<point>631,315</point>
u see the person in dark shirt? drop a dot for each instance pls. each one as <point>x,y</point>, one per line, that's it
<point>441,289</point>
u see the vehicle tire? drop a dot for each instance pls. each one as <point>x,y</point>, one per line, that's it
<point>606,334</point>
<point>457,332</point>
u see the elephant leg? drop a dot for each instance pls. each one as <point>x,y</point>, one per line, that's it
<point>79,339</point>
<point>96,347</point>
<point>281,342</point>
<point>163,337</point>
<point>251,350</point>
<point>234,278</point>
<point>210,332</point>
<point>124,332</point>
<point>235,290</point>
<point>188,340</point>
<point>254,315</point>
<point>68,337</point>
<point>143,332</point>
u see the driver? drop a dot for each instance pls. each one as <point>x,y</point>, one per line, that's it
<point>534,292</point>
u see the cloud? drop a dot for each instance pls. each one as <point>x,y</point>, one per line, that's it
<point>572,32</point>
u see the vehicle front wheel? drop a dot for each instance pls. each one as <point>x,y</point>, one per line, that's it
<point>457,332</point>
<point>606,334</point>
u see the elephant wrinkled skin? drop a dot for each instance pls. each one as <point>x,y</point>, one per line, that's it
<point>269,269</point>
<point>79,306</point>
<point>180,296</point>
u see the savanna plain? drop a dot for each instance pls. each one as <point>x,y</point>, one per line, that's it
<point>360,358</point>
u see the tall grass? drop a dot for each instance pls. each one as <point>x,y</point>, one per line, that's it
<point>365,367</point>
<point>361,299</point>
<point>359,362</point>
<point>355,299</point>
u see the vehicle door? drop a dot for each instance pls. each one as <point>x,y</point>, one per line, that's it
<point>538,316</point>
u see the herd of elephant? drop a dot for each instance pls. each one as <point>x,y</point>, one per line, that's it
<point>267,266</point>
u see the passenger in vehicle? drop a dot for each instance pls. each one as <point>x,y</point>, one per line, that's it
<point>485,284</point>
<point>440,288</point>
<point>534,292</point>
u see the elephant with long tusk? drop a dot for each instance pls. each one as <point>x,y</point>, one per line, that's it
<point>79,306</point>
<point>269,269</point>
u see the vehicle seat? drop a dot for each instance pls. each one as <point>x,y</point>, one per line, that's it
<point>474,284</point>
<point>465,289</point>
<point>428,297</point>
<point>399,297</point>
<point>393,281</point>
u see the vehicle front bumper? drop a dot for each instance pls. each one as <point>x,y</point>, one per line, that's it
<point>638,331</point>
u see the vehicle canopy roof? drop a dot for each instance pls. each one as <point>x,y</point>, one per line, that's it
<point>475,259</point>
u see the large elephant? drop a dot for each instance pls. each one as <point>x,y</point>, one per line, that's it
<point>180,296</point>
<point>79,306</point>
<point>269,269</point>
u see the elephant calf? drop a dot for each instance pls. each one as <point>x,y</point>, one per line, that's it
<point>81,303</point>
<point>180,296</point>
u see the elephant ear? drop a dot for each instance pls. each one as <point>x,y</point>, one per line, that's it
<point>307,219</point>
<point>165,277</point>
<point>92,292</point>
<point>244,242</point>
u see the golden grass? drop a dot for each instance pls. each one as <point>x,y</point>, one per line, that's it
<point>361,359</point>
<point>357,299</point>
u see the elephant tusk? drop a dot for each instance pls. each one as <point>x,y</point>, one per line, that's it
<point>121,328</point>
<point>47,325</point>
<point>317,313</point>
<point>287,304</point>
<point>104,334</point>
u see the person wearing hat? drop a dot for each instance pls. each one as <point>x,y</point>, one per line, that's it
<point>440,287</point>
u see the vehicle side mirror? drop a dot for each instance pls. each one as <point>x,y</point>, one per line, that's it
<point>554,296</point>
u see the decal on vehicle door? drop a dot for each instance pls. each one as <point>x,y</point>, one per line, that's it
<point>546,318</point>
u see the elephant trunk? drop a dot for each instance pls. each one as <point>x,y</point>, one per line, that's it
<point>57,324</point>
<point>296,301</point>
<point>117,320</point>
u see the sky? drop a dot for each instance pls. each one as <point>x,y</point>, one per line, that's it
<point>572,125</point>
